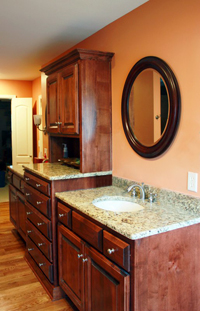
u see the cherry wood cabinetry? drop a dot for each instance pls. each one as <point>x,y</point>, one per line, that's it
<point>79,108</point>
<point>158,272</point>
<point>62,101</point>
<point>17,203</point>
<point>41,224</point>
<point>92,281</point>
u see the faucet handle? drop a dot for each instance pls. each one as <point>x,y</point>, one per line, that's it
<point>152,197</point>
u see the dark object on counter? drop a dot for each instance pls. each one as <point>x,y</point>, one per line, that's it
<point>72,162</point>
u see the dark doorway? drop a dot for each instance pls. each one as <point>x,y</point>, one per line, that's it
<point>5,134</point>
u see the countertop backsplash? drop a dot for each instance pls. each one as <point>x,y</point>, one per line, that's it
<point>162,195</point>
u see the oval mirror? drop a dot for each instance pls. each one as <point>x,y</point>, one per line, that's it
<point>150,107</point>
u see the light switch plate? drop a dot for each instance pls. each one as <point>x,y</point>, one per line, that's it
<point>192,181</point>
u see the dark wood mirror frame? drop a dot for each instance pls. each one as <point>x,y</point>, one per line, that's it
<point>171,83</point>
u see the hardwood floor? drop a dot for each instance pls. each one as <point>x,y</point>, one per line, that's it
<point>19,288</point>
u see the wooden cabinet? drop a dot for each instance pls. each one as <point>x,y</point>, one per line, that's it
<point>13,203</point>
<point>79,108</point>
<point>92,281</point>
<point>17,203</point>
<point>41,250</point>
<point>62,101</point>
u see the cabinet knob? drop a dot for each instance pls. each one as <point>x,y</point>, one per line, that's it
<point>38,185</point>
<point>29,231</point>
<point>110,251</point>
<point>27,178</point>
<point>29,213</point>
<point>40,223</point>
<point>61,215</point>
<point>80,255</point>
<point>27,194</point>
<point>30,249</point>
<point>39,202</point>
<point>84,260</point>
<point>40,244</point>
<point>41,264</point>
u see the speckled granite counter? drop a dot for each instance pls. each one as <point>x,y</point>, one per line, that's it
<point>57,171</point>
<point>18,169</point>
<point>170,212</point>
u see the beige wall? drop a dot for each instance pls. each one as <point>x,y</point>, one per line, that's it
<point>170,30</point>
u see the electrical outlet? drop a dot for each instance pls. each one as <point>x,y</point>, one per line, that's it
<point>192,181</point>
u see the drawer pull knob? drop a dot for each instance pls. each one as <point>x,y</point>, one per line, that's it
<point>38,185</point>
<point>84,260</point>
<point>40,244</point>
<point>110,251</point>
<point>61,215</point>
<point>30,249</point>
<point>29,231</point>
<point>41,264</point>
<point>38,202</point>
<point>40,223</point>
<point>80,255</point>
<point>27,194</point>
<point>29,213</point>
<point>27,178</point>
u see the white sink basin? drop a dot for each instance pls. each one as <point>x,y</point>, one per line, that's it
<point>117,204</point>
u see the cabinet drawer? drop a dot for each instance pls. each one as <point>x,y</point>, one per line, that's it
<point>22,185</point>
<point>87,230</point>
<point>40,259</point>
<point>41,222</point>
<point>42,243</point>
<point>64,215</point>
<point>38,200</point>
<point>17,182</point>
<point>117,250</point>
<point>38,183</point>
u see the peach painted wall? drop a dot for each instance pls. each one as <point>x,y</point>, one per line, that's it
<point>16,87</point>
<point>170,30</point>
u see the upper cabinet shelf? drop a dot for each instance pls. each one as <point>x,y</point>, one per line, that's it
<point>79,105</point>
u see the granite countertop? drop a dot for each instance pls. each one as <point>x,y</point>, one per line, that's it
<point>18,169</point>
<point>161,216</point>
<point>57,171</point>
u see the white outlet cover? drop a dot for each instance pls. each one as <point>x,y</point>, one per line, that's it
<point>192,181</point>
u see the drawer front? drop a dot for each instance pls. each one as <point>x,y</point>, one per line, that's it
<point>64,215</point>
<point>37,183</point>
<point>38,200</point>
<point>42,243</point>
<point>116,250</point>
<point>22,185</point>
<point>40,222</point>
<point>17,182</point>
<point>87,230</point>
<point>40,259</point>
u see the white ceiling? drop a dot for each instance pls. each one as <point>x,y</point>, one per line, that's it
<point>32,32</point>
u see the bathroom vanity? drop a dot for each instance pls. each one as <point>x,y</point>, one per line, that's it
<point>147,260</point>
<point>38,218</point>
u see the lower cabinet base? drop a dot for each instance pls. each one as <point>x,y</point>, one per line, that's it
<point>55,292</point>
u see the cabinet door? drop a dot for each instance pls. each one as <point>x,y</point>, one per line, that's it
<point>70,255</point>
<point>52,104</point>
<point>69,100</point>
<point>107,286</point>
<point>13,204</point>
<point>22,216</point>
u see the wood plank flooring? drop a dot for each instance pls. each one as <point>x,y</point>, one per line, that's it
<point>19,288</point>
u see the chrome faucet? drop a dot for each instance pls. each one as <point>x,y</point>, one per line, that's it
<point>141,187</point>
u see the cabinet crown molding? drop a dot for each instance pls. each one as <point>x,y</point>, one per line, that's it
<point>74,56</point>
